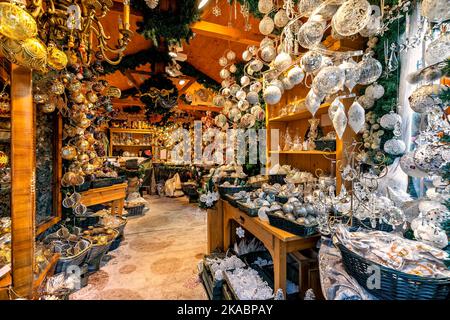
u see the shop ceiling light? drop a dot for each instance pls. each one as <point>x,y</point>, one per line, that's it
<point>202,3</point>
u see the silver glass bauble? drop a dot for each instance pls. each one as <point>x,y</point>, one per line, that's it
<point>223,61</point>
<point>266,25</point>
<point>287,84</point>
<point>282,61</point>
<point>281,19</point>
<point>252,97</point>
<point>424,98</point>
<point>389,120</point>
<point>370,70</point>
<point>374,91</point>
<point>311,33</point>
<point>311,61</point>
<point>278,84</point>
<point>272,95</point>
<point>245,81</point>
<point>256,65</point>
<point>329,80</point>
<point>366,102</point>
<point>351,17</point>
<point>256,87</point>
<point>409,167</point>
<point>268,53</point>
<point>296,75</point>
<point>264,6</point>
<point>224,73</point>
<point>394,146</point>
<point>436,10</point>
<point>352,72</point>
<point>246,55</point>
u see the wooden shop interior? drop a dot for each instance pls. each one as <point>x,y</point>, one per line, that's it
<point>107,191</point>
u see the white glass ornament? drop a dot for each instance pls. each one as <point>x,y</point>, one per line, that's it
<point>240,95</point>
<point>351,72</point>
<point>370,70</point>
<point>334,107</point>
<point>307,7</point>
<point>252,97</point>
<point>226,92</point>
<point>233,68</point>
<point>351,17</point>
<point>374,24</point>
<point>246,55</point>
<point>390,120</point>
<point>431,157</point>
<point>438,50</point>
<point>223,61</point>
<point>436,10</point>
<point>256,87</point>
<point>220,120</point>
<point>264,6</point>
<point>310,34</point>
<point>231,55</point>
<point>218,100</point>
<point>356,117</point>
<point>366,102</point>
<point>258,112</point>
<point>409,167</point>
<point>311,61</point>
<point>394,146</point>
<point>256,65</point>
<point>312,102</point>
<point>375,91</point>
<point>266,42</point>
<point>281,19</point>
<point>266,25</point>
<point>243,105</point>
<point>234,89</point>
<point>268,53</point>
<point>287,84</point>
<point>272,95</point>
<point>224,73</point>
<point>282,61</point>
<point>278,84</point>
<point>329,80</point>
<point>424,98</point>
<point>245,81</point>
<point>296,75</point>
<point>340,122</point>
<point>234,114</point>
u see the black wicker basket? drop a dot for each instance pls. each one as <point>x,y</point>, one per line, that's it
<point>232,190</point>
<point>356,223</point>
<point>135,211</point>
<point>102,183</point>
<point>252,212</point>
<point>83,187</point>
<point>277,178</point>
<point>290,226</point>
<point>119,180</point>
<point>394,285</point>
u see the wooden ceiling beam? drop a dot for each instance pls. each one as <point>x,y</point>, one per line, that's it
<point>214,30</point>
<point>186,107</point>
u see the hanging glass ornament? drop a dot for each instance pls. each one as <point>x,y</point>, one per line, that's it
<point>312,102</point>
<point>311,33</point>
<point>370,70</point>
<point>351,17</point>
<point>356,117</point>
<point>394,146</point>
<point>224,73</point>
<point>252,97</point>
<point>231,55</point>
<point>366,102</point>
<point>409,167</point>
<point>226,92</point>
<point>234,89</point>
<point>311,61</point>
<point>256,87</point>
<point>218,100</point>
<point>246,55</point>
<point>268,53</point>
<point>264,6</point>
<point>235,115</point>
<point>266,25</point>
<point>245,81</point>
<point>424,98</point>
<point>258,112</point>
<point>351,72</point>
<point>438,50</point>
<point>329,80</point>
<point>334,107</point>
<point>278,84</point>
<point>340,122</point>
<point>287,84</point>
<point>272,95</point>
<point>390,120</point>
<point>375,91</point>
<point>243,105</point>
<point>223,61</point>
<point>281,19</point>
<point>307,7</point>
<point>432,157</point>
<point>374,24</point>
<point>266,42</point>
<point>256,65</point>
<point>240,94</point>
<point>436,10</point>
<point>233,68</point>
<point>296,75</point>
<point>282,61</point>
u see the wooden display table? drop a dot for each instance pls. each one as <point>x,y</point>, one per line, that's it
<point>115,194</point>
<point>278,242</point>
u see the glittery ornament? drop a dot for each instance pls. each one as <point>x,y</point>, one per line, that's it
<point>340,122</point>
<point>266,25</point>
<point>296,75</point>
<point>356,117</point>
<point>329,80</point>
<point>264,6</point>
<point>351,72</point>
<point>424,98</point>
<point>395,147</point>
<point>370,70</point>
<point>334,107</point>
<point>282,61</point>
<point>389,120</point>
<point>312,102</point>
<point>272,95</point>
<point>351,17</point>
<point>311,61</point>
<point>375,91</point>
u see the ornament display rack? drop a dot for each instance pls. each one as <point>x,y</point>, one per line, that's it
<point>297,124</point>
<point>137,133</point>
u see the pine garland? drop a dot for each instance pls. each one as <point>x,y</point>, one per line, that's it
<point>172,26</point>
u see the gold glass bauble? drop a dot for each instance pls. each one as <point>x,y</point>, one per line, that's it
<point>68,178</point>
<point>78,98</point>
<point>92,97</point>
<point>57,87</point>
<point>84,123</point>
<point>83,158</point>
<point>34,54</point>
<point>40,97</point>
<point>68,152</point>
<point>74,86</point>
<point>90,138</point>
<point>16,23</point>
<point>48,107</point>
<point>56,58</point>
<point>88,168</point>
<point>97,162</point>
<point>92,155</point>
<point>83,145</point>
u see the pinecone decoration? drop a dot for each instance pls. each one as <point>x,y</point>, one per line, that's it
<point>152,4</point>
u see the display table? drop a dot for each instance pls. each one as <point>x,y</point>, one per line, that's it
<point>278,242</point>
<point>115,194</point>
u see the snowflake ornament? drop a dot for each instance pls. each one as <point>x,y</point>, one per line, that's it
<point>240,232</point>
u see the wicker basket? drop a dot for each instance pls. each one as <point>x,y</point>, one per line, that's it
<point>83,187</point>
<point>252,212</point>
<point>97,252</point>
<point>102,183</point>
<point>116,243</point>
<point>76,260</point>
<point>394,285</point>
<point>290,226</point>
<point>231,190</point>
<point>135,211</point>
<point>367,225</point>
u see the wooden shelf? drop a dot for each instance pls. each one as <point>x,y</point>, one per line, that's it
<point>302,114</point>
<point>310,152</point>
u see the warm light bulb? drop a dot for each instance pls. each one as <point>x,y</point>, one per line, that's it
<point>181,82</point>
<point>202,3</point>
